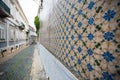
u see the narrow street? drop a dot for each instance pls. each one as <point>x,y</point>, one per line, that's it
<point>37,70</point>
<point>19,67</point>
<point>34,63</point>
<point>59,39</point>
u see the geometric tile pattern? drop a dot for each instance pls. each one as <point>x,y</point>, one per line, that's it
<point>85,36</point>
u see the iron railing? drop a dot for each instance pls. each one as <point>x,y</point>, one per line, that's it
<point>4,7</point>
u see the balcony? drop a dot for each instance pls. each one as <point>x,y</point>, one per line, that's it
<point>4,10</point>
<point>21,26</point>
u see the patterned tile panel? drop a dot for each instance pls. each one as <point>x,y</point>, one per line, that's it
<point>85,36</point>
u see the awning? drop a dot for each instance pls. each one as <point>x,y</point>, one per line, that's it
<point>13,21</point>
<point>4,10</point>
<point>33,33</point>
<point>21,25</point>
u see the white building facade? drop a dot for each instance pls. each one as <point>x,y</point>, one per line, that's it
<point>32,35</point>
<point>13,25</point>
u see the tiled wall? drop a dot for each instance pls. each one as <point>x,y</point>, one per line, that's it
<point>85,36</point>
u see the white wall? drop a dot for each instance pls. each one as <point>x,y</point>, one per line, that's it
<point>14,32</point>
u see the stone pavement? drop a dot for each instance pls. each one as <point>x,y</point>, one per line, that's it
<point>8,55</point>
<point>37,70</point>
<point>20,67</point>
<point>29,64</point>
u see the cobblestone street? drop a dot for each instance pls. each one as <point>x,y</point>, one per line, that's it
<point>19,67</point>
<point>29,64</point>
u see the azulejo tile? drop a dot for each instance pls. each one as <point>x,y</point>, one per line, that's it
<point>98,38</point>
<point>90,37</point>
<point>94,38</point>
<point>113,47</point>
<point>108,56</point>
<point>109,36</point>
<point>91,13</point>
<point>117,36</point>
<point>96,74</point>
<point>89,67</point>
<point>84,71</point>
<point>110,14</point>
<point>113,25</point>
<point>84,21</point>
<point>78,61</point>
<point>79,12</point>
<point>90,45</point>
<point>85,6</point>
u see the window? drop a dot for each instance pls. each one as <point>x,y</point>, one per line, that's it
<point>2,32</point>
<point>11,34</point>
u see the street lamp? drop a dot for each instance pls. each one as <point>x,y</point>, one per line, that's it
<point>41,4</point>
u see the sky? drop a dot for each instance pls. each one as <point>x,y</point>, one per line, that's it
<point>30,9</point>
<point>47,8</point>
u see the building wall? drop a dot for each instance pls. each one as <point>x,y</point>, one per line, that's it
<point>9,26</point>
<point>85,36</point>
<point>2,31</point>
